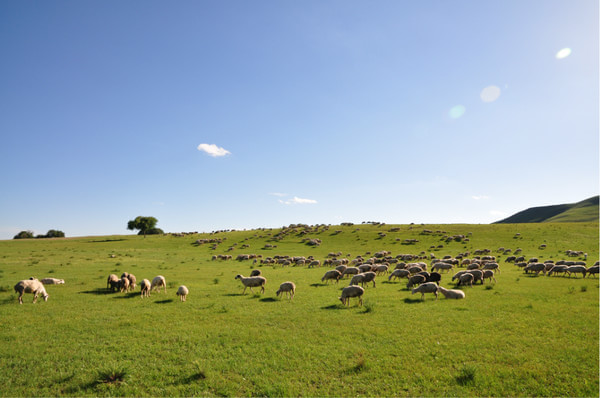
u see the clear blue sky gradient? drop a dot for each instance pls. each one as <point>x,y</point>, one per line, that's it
<point>331,111</point>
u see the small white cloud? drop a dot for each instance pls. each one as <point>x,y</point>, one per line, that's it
<point>564,53</point>
<point>490,94</point>
<point>480,197</point>
<point>281,195</point>
<point>297,201</point>
<point>213,150</point>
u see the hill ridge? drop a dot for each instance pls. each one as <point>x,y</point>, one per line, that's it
<point>585,210</point>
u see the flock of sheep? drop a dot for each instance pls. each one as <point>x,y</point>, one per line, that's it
<point>362,271</point>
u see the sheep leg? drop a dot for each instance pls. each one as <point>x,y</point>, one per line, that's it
<point>34,298</point>
<point>20,298</point>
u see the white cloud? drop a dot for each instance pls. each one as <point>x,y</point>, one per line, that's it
<point>297,201</point>
<point>281,195</point>
<point>564,53</point>
<point>490,94</point>
<point>213,150</point>
<point>480,197</point>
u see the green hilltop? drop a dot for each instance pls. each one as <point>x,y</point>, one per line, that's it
<point>584,211</point>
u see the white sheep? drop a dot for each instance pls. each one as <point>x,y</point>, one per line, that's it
<point>442,266</point>
<point>352,291</point>
<point>332,274</point>
<point>287,288</point>
<point>124,284</point>
<point>112,282</point>
<point>350,271</point>
<point>145,287</point>
<point>252,281</point>
<point>132,281</point>
<point>451,293</point>
<point>399,273</point>
<point>428,287</point>
<point>157,282</point>
<point>182,292</point>
<point>576,269</point>
<point>492,266</point>
<point>52,281</point>
<point>363,278</point>
<point>466,278</point>
<point>31,286</point>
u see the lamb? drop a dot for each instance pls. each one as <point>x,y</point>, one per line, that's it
<point>31,286</point>
<point>451,293</point>
<point>52,281</point>
<point>333,274</point>
<point>415,280</point>
<point>182,292</point>
<point>399,273</point>
<point>352,291</point>
<point>255,272</point>
<point>124,284</point>
<point>252,281</point>
<point>158,282</point>
<point>287,288</point>
<point>145,287</point>
<point>112,282</point>
<point>428,287</point>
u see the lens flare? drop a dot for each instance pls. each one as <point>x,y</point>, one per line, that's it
<point>457,111</point>
<point>564,53</point>
<point>490,94</point>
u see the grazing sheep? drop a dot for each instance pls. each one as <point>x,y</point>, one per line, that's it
<point>333,274</point>
<point>252,281</point>
<point>182,292</point>
<point>489,274</point>
<point>415,280</point>
<point>593,270</point>
<point>157,282</point>
<point>112,282</point>
<point>458,274</point>
<point>350,271</point>
<point>466,278</point>
<point>132,281</point>
<point>287,288</point>
<point>428,287</point>
<point>535,267</point>
<point>52,281</point>
<point>477,275</point>
<point>363,278</point>
<point>451,293</point>
<point>365,268</point>
<point>145,287</point>
<point>31,286</point>
<point>492,266</point>
<point>576,269</point>
<point>341,268</point>
<point>556,269</point>
<point>314,263</point>
<point>399,273</point>
<point>123,284</point>
<point>255,272</point>
<point>434,277</point>
<point>381,269</point>
<point>352,291</point>
<point>442,266</point>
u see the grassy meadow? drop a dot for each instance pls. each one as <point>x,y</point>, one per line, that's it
<point>525,335</point>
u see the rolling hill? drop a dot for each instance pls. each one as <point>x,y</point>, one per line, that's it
<point>586,210</point>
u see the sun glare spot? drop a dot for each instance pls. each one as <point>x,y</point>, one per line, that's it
<point>490,94</point>
<point>457,111</point>
<point>564,53</point>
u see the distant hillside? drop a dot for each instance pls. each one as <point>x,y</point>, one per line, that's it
<point>586,210</point>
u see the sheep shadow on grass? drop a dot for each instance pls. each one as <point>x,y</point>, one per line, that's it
<point>334,307</point>
<point>127,295</point>
<point>318,284</point>
<point>164,301</point>
<point>268,300</point>
<point>98,291</point>
<point>409,300</point>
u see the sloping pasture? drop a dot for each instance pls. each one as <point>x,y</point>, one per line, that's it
<point>523,336</point>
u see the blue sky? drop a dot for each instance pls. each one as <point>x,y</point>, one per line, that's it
<point>243,114</point>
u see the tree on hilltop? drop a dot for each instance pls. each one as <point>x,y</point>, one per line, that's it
<point>146,225</point>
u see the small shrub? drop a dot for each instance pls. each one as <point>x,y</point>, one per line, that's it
<point>466,375</point>
<point>583,289</point>
<point>216,281</point>
<point>571,290</point>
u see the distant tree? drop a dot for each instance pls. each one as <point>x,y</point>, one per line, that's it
<point>146,225</point>
<point>54,233</point>
<point>24,235</point>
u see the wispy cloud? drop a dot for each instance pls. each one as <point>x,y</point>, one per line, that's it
<point>213,150</point>
<point>480,197</point>
<point>281,195</point>
<point>298,201</point>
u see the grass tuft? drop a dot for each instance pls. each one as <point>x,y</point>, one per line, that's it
<point>466,375</point>
<point>113,375</point>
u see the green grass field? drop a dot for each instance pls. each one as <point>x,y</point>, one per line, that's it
<point>523,336</point>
